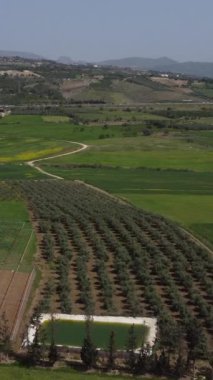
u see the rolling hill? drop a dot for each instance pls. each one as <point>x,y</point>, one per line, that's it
<point>164,64</point>
<point>21,54</point>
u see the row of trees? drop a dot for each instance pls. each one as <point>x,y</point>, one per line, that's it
<point>167,357</point>
<point>147,254</point>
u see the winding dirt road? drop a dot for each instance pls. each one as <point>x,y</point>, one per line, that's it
<point>33,162</point>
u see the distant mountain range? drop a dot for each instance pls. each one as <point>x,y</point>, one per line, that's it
<point>65,60</point>
<point>164,64</point>
<point>137,62</point>
<point>21,54</point>
<point>28,55</point>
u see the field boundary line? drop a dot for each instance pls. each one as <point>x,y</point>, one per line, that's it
<point>33,162</point>
<point>14,243</point>
<point>13,275</point>
<point>22,257</point>
<point>22,304</point>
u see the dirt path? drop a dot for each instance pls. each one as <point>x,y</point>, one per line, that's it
<point>33,163</point>
<point>197,241</point>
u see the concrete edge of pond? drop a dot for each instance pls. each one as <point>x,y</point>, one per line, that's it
<point>151,323</point>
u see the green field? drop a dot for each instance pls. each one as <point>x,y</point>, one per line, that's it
<point>28,150</point>
<point>171,152</point>
<point>116,156</point>
<point>29,137</point>
<point>21,373</point>
<point>17,239</point>
<point>25,138</point>
<point>102,115</point>
<point>33,130</point>
<point>72,333</point>
<point>138,181</point>
<point>55,119</point>
<point>19,171</point>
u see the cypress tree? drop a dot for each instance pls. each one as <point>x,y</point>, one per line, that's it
<point>131,346</point>
<point>111,351</point>
<point>89,352</point>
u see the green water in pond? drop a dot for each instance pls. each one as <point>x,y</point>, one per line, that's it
<point>72,333</point>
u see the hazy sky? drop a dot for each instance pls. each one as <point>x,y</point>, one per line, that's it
<point>102,29</point>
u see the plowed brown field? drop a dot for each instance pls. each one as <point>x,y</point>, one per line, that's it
<point>13,287</point>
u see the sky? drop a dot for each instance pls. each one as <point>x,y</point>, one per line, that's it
<point>96,30</point>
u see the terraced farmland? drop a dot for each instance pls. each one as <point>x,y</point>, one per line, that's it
<point>101,256</point>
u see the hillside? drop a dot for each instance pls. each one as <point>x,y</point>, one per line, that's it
<point>21,54</point>
<point>32,82</point>
<point>138,62</point>
<point>126,89</point>
<point>199,69</point>
<point>162,64</point>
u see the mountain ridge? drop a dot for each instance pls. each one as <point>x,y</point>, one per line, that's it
<point>163,64</point>
<point>21,54</point>
<point>140,61</point>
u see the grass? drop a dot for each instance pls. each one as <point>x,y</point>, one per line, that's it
<point>29,251</point>
<point>18,171</point>
<point>138,181</point>
<point>22,373</point>
<point>14,211</point>
<point>207,92</point>
<point>169,205</point>
<point>55,119</point>
<point>199,161</point>
<point>16,236</point>
<point>130,92</point>
<point>114,115</point>
<point>205,230</point>
<point>33,128</point>
<point>24,138</point>
<point>72,333</point>
<point>171,152</point>
<point>25,150</point>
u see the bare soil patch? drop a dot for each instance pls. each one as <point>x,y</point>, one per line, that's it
<point>72,87</point>
<point>12,290</point>
<point>170,82</point>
